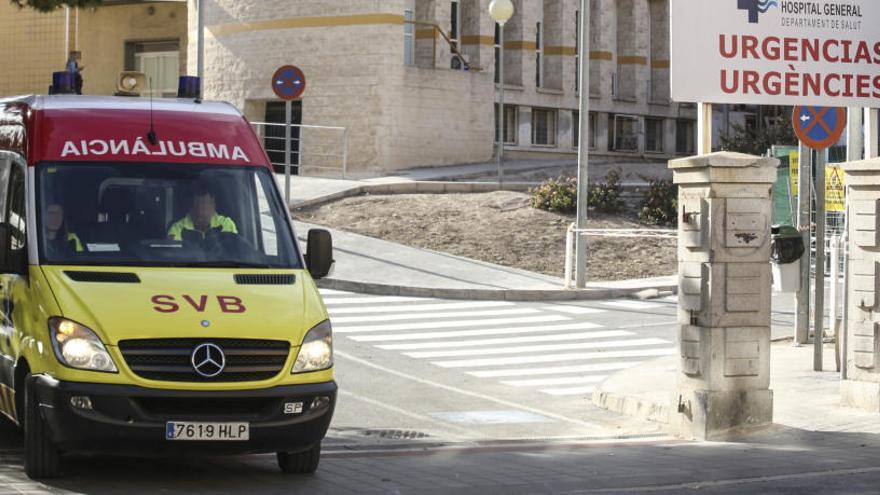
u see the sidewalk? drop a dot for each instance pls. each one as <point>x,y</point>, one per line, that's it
<point>374,266</point>
<point>309,190</point>
<point>645,391</point>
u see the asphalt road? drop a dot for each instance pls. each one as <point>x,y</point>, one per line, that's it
<point>474,397</point>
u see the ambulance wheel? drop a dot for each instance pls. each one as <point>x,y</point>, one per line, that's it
<point>305,462</point>
<point>42,459</point>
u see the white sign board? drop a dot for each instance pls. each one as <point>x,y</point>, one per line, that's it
<point>776,52</point>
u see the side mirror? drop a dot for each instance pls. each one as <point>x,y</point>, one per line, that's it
<point>319,253</point>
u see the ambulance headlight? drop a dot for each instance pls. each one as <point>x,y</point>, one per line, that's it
<point>316,352</point>
<point>78,347</point>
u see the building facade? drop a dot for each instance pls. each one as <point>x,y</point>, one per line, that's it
<point>414,82</point>
<point>136,36</point>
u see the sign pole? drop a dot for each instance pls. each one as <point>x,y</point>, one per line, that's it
<point>871,134</point>
<point>288,84</point>
<point>288,117</point>
<point>704,128</point>
<point>583,147</point>
<point>200,45</point>
<point>802,316</point>
<point>819,315</point>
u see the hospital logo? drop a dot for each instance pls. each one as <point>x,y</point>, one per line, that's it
<point>755,7</point>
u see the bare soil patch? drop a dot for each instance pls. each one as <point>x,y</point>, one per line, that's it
<point>499,227</point>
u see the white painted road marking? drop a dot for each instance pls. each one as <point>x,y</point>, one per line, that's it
<point>451,314</point>
<point>552,348</point>
<point>473,333</point>
<point>554,358</point>
<point>554,370</point>
<point>447,324</point>
<point>506,340</point>
<point>415,308</point>
<point>543,382</point>
<point>531,349</point>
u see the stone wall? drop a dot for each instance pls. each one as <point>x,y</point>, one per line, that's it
<point>353,56</point>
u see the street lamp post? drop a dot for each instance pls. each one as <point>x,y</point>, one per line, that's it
<point>501,11</point>
<point>200,43</point>
<point>583,145</point>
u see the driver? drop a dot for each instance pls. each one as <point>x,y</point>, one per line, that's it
<point>58,239</point>
<point>202,217</point>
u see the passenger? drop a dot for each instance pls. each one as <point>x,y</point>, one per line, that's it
<point>59,240</point>
<point>202,217</point>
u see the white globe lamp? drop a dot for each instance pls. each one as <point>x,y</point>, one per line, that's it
<point>501,10</point>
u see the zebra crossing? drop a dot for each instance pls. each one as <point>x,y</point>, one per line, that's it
<point>555,349</point>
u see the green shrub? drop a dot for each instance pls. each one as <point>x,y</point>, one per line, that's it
<point>605,196</point>
<point>660,204</point>
<point>557,195</point>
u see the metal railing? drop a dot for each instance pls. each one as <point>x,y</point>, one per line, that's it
<point>312,147</point>
<point>573,231</point>
<point>453,48</point>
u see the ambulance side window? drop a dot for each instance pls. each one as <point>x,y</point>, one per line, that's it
<point>17,218</point>
<point>5,169</point>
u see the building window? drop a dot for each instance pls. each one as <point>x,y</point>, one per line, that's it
<point>539,54</point>
<point>409,39</point>
<point>543,127</point>
<point>591,129</point>
<point>160,63</point>
<point>685,137</point>
<point>654,135</point>
<point>455,34</point>
<point>626,133</point>
<point>510,124</point>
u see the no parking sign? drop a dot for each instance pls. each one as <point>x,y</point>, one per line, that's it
<point>818,128</point>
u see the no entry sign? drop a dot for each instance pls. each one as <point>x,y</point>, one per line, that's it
<point>776,52</point>
<point>818,128</point>
<point>288,82</point>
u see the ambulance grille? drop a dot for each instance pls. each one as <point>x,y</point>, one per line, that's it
<point>259,279</point>
<point>103,277</point>
<point>170,360</point>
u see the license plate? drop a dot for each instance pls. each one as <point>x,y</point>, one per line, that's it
<point>230,432</point>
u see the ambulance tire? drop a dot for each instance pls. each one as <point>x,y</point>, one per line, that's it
<point>42,459</point>
<point>305,462</point>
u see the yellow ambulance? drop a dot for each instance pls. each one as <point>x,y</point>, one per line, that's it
<point>153,295</point>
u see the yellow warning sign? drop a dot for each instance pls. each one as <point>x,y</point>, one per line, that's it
<point>835,190</point>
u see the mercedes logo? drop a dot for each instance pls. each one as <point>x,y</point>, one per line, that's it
<point>208,360</point>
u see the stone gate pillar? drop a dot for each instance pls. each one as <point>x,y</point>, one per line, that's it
<point>724,209</point>
<point>861,389</point>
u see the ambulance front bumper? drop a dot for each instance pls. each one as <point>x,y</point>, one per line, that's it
<point>130,419</point>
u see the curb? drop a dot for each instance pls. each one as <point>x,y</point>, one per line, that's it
<point>415,187</point>
<point>489,294</point>
<point>646,410</point>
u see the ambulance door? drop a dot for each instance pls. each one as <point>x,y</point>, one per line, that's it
<point>7,332</point>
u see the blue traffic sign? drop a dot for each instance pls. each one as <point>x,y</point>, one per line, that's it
<point>818,128</point>
<point>288,82</point>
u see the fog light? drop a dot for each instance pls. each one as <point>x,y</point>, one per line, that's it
<point>81,402</point>
<point>320,402</point>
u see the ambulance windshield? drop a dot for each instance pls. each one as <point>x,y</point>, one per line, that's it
<point>162,215</point>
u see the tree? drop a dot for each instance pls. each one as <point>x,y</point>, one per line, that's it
<point>774,131</point>
<point>51,5</point>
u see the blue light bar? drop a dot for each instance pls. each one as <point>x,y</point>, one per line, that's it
<point>62,83</point>
<point>189,87</point>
